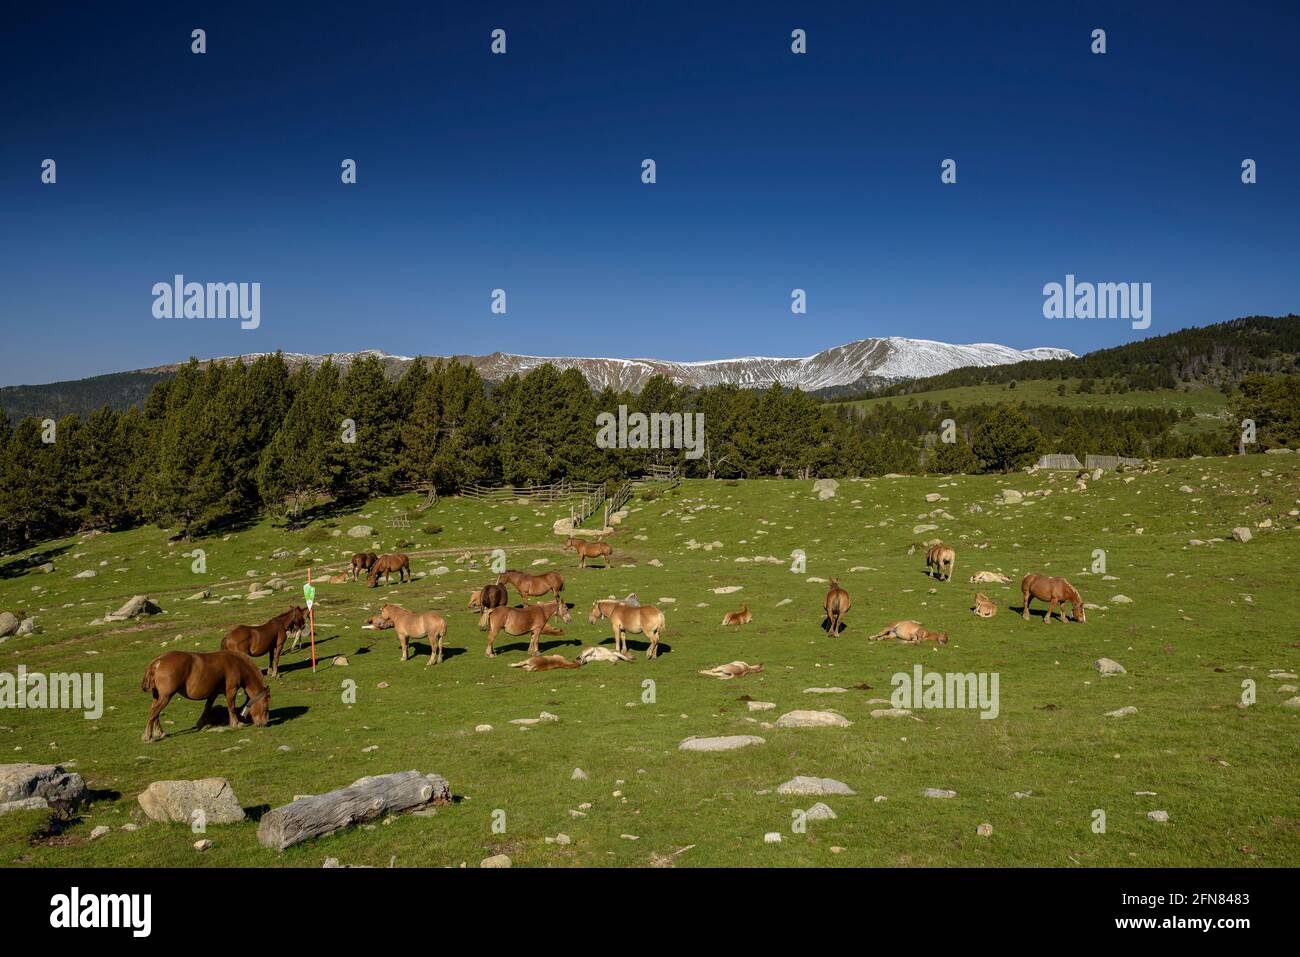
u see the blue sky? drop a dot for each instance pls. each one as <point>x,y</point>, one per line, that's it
<point>522,171</point>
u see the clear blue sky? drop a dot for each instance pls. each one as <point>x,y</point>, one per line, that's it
<point>523,172</point>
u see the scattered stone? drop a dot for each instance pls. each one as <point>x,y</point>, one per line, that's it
<point>49,783</point>
<point>1122,712</point>
<point>179,800</point>
<point>340,661</point>
<point>729,742</point>
<point>1121,599</point>
<point>360,531</point>
<point>1108,666</point>
<point>496,860</point>
<point>100,831</point>
<point>774,837</point>
<point>825,690</point>
<point>1241,534</point>
<point>8,623</point>
<point>811,786</point>
<point>984,830</point>
<point>1160,817</point>
<point>891,713</point>
<point>760,705</point>
<point>138,605</point>
<point>938,793</point>
<point>202,845</point>
<point>819,812</point>
<point>482,727</point>
<point>578,775</point>
<point>812,719</point>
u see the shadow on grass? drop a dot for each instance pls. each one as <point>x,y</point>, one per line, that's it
<point>21,566</point>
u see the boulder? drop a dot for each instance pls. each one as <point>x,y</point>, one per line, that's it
<point>138,605</point>
<point>48,782</point>
<point>1010,496</point>
<point>360,531</point>
<point>26,627</point>
<point>1241,533</point>
<point>88,573</point>
<point>825,488</point>
<point>178,800</point>
<point>819,812</point>
<point>1109,666</point>
<point>8,623</point>
<point>496,860</point>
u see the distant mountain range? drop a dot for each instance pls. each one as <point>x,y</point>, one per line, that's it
<point>856,366</point>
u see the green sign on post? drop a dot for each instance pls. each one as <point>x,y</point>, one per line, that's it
<point>309,593</point>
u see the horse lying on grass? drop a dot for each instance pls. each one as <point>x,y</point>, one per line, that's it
<point>913,632</point>
<point>742,617</point>
<point>200,675</point>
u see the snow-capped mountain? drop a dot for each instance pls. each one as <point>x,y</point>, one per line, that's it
<point>866,360</point>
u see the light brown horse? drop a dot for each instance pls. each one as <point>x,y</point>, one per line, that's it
<point>202,675</point>
<point>586,549</point>
<point>257,640</point>
<point>361,562</point>
<point>984,607</point>
<point>411,624</point>
<point>742,617</point>
<point>1054,591</point>
<point>386,565</point>
<point>939,561</point>
<point>638,619</point>
<point>488,597</point>
<point>547,663</point>
<point>912,632</point>
<point>532,586</point>
<point>836,606</point>
<point>529,620</point>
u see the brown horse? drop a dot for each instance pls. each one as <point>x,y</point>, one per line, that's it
<point>257,640</point>
<point>836,606</point>
<point>586,549</point>
<point>912,632</point>
<point>385,565</point>
<point>984,606</point>
<point>529,620</point>
<point>639,619</point>
<point>200,675</point>
<point>742,617</point>
<point>410,624</point>
<point>361,562</point>
<point>534,586</point>
<point>547,663</point>
<point>488,597</point>
<point>939,560</point>
<point>1054,591</point>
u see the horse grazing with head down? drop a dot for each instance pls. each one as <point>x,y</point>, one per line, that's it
<point>532,586</point>
<point>488,597</point>
<point>1054,591</point>
<point>386,565</point>
<point>200,675</point>
<point>257,640</point>
<point>586,549</point>
<point>836,606</point>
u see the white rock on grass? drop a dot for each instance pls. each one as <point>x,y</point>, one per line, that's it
<point>938,793</point>
<point>1160,817</point>
<point>812,719</point>
<point>772,837</point>
<point>1241,534</point>
<point>819,812</point>
<point>825,690</point>
<point>1108,666</point>
<point>496,860</point>
<point>812,786</point>
<point>578,775</point>
<point>729,742</point>
<point>1122,712</point>
<point>891,713</point>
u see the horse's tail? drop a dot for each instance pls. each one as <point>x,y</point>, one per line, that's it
<point>147,682</point>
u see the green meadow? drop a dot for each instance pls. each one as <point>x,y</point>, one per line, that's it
<point>1200,622</point>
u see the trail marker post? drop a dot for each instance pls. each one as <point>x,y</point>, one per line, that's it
<point>309,593</point>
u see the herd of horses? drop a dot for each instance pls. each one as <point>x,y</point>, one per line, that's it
<point>202,676</point>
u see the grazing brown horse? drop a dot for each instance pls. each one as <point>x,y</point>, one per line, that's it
<point>742,617</point>
<point>837,605</point>
<point>912,632</point>
<point>200,675</point>
<point>529,620</point>
<point>1054,591</point>
<point>639,619</point>
<point>534,586</point>
<point>361,562</point>
<point>586,549</point>
<point>984,607</point>
<point>385,565</point>
<point>939,560</point>
<point>411,624</point>
<point>488,597</point>
<point>547,663</point>
<point>257,640</point>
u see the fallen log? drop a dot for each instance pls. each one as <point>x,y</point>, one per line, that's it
<point>364,800</point>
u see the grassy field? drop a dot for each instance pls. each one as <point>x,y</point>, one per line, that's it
<point>1201,620</point>
<point>1209,405</point>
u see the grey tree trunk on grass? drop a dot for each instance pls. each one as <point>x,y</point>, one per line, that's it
<point>364,800</point>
